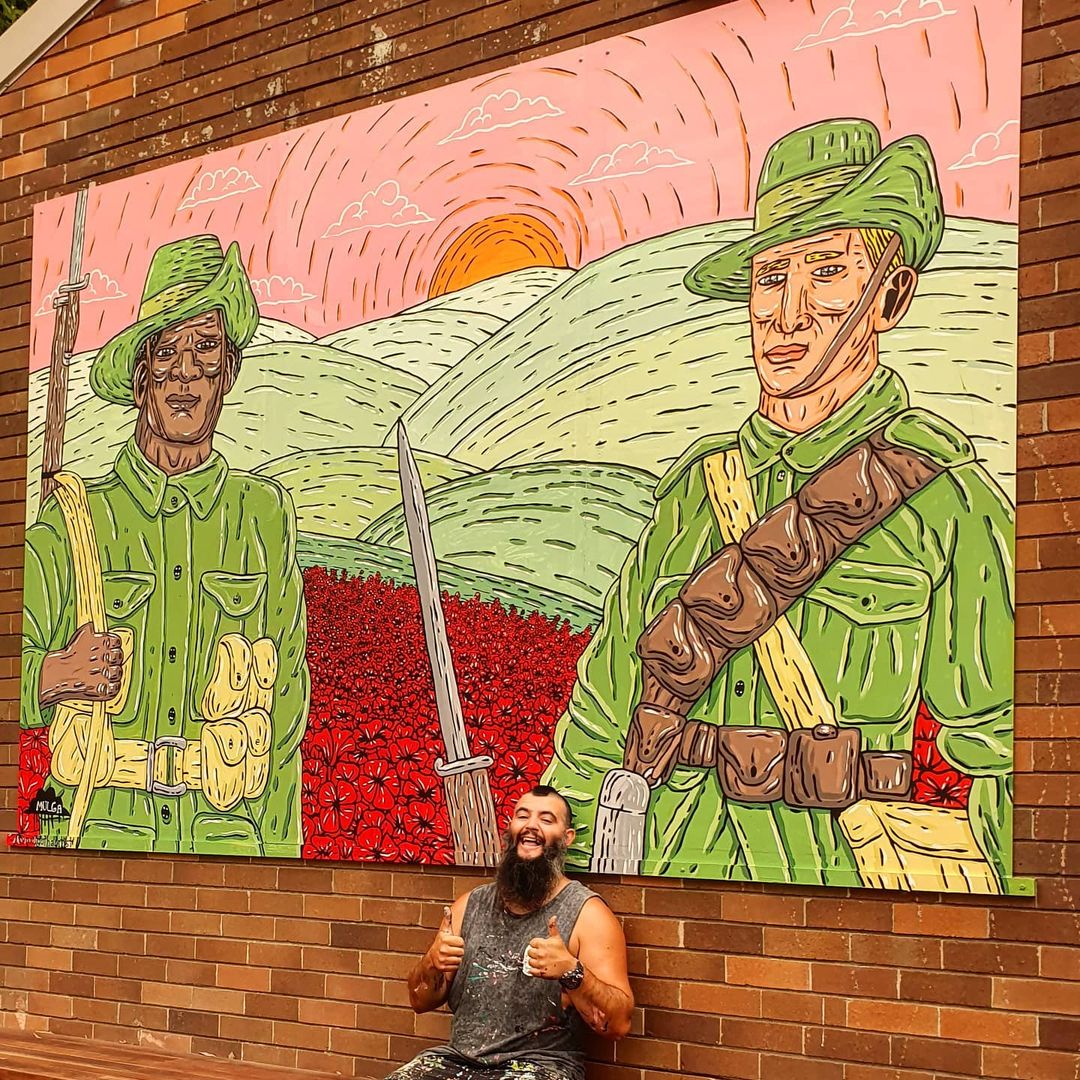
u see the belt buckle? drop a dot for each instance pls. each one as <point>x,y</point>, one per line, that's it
<point>154,786</point>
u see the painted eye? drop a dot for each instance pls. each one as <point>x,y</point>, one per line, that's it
<point>828,271</point>
<point>166,352</point>
<point>770,281</point>
<point>207,344</point>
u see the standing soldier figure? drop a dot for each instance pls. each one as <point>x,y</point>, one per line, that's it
<point>164,623</point>
<point>808,582</point>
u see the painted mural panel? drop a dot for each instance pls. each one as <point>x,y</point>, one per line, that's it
<point>639,420</point>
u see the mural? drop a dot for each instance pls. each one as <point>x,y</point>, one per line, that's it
<point>639,420</point>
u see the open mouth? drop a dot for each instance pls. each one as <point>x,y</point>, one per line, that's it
<point>530,842</point>
<point>781,354</point>
<point>182,402</point>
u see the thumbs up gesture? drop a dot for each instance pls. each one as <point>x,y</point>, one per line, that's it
<point>548,957</point>
<point>447,950</point>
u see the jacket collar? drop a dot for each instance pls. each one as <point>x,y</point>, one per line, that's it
<point>762,442</point>
<point>150,487</point>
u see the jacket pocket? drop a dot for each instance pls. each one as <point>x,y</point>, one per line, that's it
<point>864,626</point>
<point>871,593</point>
<point>127,608</point>
<point>228,604</point>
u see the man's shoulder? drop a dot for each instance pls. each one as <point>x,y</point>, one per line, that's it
<point>932,436</point>
<point>266,493</point>
<point>696,452</point>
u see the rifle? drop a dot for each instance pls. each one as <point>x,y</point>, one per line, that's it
<point>65,330</point>
<point>464,775</point>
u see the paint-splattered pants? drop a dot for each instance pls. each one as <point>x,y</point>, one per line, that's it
<point>430,1066</point>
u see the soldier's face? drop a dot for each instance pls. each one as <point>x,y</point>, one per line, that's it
<point>801,293</point>
<point>185,375</point>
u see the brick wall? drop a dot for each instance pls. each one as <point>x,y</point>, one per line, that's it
<point>302,965</point>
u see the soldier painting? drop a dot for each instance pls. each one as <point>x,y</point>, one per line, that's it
<point>639,420</point>
<point>878,545</point>
<point>165,597</point>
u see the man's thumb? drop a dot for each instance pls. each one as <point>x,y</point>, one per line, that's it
<point>553,927</point>
<point>447,920</point>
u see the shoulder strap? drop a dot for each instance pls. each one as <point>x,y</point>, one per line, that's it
<point>741,593</point>
<point>70,493</point>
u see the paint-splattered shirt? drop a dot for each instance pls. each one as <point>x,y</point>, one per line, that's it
<point>500,1013</point>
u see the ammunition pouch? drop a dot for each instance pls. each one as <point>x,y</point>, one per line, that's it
<point>819,768</point>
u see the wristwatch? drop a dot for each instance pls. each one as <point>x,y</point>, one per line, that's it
<point>572,979</point>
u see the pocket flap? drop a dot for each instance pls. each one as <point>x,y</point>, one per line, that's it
<point>873,592</point>
<point>236,594</point>
<point>126,591</point>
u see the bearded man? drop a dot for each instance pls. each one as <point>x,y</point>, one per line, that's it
<point>526,963</point>
<point>810,582</point>
<point>164,628</point>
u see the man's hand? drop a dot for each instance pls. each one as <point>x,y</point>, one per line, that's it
<point>88,668</point>
<point>447,950</point>
<point>548,958</point>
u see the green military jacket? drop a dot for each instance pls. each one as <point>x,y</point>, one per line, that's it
<point>920,609</point>
<point>185,560</point>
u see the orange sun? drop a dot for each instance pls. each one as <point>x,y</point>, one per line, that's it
<point>496,246</point>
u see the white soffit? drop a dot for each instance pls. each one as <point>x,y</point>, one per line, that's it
<point>34,32</point>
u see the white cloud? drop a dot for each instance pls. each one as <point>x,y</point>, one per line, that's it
<point>279,290</point>
<point>992,146</point>
<point>219,184</point>
<point>844,22</point>
<point>504,110</point>
<point>629,159</point>
<point>384,207</point>
<point>101,289</point>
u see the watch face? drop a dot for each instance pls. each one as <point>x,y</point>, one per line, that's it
<point>573,978</point>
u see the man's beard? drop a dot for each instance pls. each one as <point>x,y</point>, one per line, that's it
<point>528,883</point>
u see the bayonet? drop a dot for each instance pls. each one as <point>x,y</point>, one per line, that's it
<point>464,775</point>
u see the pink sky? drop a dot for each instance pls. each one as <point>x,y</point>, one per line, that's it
<point>345,221</point>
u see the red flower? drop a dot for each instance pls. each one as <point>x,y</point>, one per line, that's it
<point>373,846</point>
<point>338,807</point>
<point>379,783</point>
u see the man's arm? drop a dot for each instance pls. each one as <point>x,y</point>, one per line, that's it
<point>430,979</point>
<point>604,1000</point>
<point>967,677</point>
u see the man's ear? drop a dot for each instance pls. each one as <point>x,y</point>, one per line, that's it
<point>138,382</point>
<point>894,297</point>
<point>570,834</point>
<point>232,366</point>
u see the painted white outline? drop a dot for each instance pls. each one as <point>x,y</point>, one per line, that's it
<point>479,118</point>
<point>359,210</point>
<point>971,159</point>
<point>263,288</point>
<point>241,179</point>
<point>90,295</point>
<point>811,40</point>
<point>607,161</point>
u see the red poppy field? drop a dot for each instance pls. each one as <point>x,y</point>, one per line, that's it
<point>370,791</point>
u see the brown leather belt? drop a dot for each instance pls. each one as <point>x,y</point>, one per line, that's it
<point>821,767</point>
<point>738,594</point>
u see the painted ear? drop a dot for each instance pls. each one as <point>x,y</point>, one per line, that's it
<point>138,382</point>
<point>896,296</point>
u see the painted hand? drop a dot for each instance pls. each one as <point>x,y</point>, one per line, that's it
<point>447,950</point>
<point>548,958</point>
<point>88,668</point>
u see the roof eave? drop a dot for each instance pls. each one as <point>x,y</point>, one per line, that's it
<point>34,32</point>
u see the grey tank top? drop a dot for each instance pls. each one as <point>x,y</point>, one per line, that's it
<point>500,1013</point>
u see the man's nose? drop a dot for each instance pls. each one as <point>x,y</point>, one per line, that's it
<point>793,314</point>
<point>187,367</point>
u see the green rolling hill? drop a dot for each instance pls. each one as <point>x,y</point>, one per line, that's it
<point>338,491</point>
<point>562,527</point>
<point>621,363</point>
